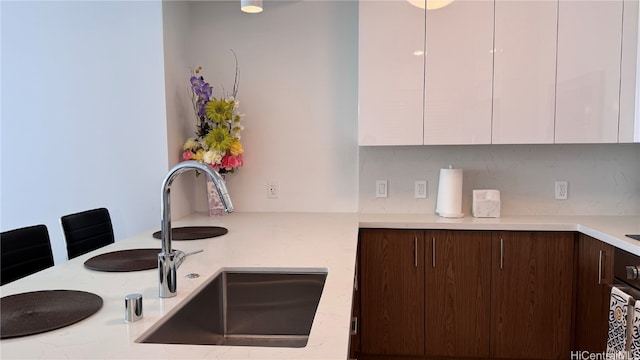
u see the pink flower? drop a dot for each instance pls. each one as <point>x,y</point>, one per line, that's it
<point>230,162</point>
<point>187,155</point>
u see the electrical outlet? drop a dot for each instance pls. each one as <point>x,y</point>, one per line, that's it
<point>420,189</point>
<point>381,188</point>
<point>272,190</point>
<point>562,190</point>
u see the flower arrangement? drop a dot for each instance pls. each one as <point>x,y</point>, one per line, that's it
<point>217,142</point>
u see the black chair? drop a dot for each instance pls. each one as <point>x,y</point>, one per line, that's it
<point>24,251</point>
<point>86,231</point>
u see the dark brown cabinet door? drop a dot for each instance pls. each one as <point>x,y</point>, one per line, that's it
<point>531,294</point>
<point>594,274</point>
<point>392,292</point>
<point>458,284</point>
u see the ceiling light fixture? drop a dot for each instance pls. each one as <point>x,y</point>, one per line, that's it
<point>251,6</point>
<point>431,4</point>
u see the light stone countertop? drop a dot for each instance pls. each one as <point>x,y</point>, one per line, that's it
<point>610,229</point>
<point>255,240</point>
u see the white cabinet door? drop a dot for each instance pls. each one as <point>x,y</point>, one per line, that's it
<point>459,73</point>
<point>629,127</point>
<point>588,79</point>
<point>524,72</point>
<point>390,73</point>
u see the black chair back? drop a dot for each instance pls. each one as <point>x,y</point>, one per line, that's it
<point>86,231</point>
<point>24,251</point>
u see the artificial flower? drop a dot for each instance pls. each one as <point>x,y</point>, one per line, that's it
<point>191,144</point>
<point>236,148</point>
<point>212,157</point>
<point>219,110</point>
<point>219,139</point>
<point>199,155</point>
<point>217,142</point>
<point>229,162</point>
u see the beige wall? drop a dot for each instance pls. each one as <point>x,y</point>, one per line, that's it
<point>298,89</point>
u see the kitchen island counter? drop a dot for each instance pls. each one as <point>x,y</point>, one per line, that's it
<point>255,240</point>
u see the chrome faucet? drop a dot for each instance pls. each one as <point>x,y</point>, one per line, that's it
<point>169,260</point>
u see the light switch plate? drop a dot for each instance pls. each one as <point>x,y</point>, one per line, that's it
<point>381,188</point>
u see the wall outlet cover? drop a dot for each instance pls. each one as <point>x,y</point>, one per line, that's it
<point>381,188</point>
<point>562,190</point>
<point>420,189</point>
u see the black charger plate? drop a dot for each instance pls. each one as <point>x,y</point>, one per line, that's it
<point>194,232</point>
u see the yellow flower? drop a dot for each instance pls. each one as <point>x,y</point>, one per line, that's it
<point>219,110</point>
<point>199,155</point>
<point>236,148</point>
<point>219,139</point>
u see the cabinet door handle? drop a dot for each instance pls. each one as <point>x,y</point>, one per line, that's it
<point>600,256</point>
<point>354,325</point>
<point>433,252</point>
<point>355,278</point>
<point>415,251</point>
<point>501,253</point>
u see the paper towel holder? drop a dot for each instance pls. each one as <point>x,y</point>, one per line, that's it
<point>449,200</point>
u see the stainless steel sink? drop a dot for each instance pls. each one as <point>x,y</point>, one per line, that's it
<point>273,308</point>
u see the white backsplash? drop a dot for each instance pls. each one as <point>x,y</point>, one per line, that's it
<point>603,179</point>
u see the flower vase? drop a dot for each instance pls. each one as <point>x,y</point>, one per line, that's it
<point>216,208</point>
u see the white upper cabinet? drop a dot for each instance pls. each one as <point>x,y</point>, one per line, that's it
<point>629,127</point>
<point>524,72</point>
<point>588,75</point>
<point>498,72</point>
<point>459,71</point>
<point>390,73</point>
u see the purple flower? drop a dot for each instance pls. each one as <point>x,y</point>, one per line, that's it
<point>196,81</point>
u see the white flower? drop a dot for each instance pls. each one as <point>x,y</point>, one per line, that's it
<point>203,144</point>
<point>191,144</point>
<point>212,157</point>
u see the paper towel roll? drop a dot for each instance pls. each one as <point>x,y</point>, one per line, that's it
<point>449,201</point>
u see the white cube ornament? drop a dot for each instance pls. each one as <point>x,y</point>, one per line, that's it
<point>486,204</point>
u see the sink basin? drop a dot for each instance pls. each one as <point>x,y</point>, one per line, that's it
<point>241,307</point>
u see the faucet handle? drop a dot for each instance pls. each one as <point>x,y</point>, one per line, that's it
<point>181,255</point>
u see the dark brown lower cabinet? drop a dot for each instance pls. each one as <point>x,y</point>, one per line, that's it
<point>594,274</point>
<point>457,293</point>
<point>452,294</point>
<point>392,292</point>
<point>531,294</point>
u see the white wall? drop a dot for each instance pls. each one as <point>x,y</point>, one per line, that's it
<point>180,119</point>
<point>603,179</point>
<point>83,114</point>
<point>298,89</point>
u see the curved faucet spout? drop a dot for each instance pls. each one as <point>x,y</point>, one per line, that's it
<point>167,259</point>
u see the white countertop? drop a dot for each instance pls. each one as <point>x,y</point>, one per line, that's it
<point>610,229</point>
<point>256,240</point>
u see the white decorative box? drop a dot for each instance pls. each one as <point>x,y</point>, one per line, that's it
<point>486,204</point>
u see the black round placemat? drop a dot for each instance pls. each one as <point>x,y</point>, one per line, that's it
<point>40,311</point>
<point>124,260</point>
<point>194,232</point>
